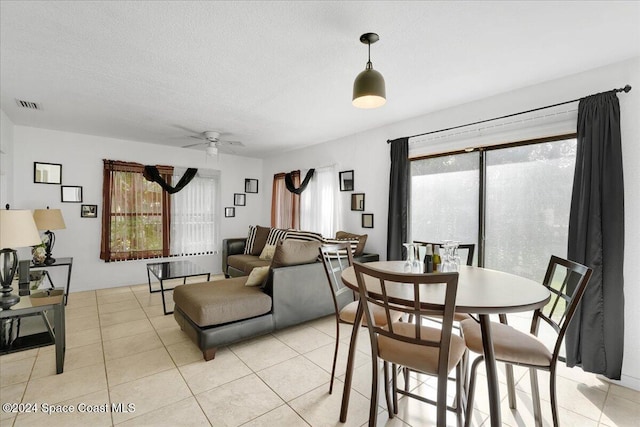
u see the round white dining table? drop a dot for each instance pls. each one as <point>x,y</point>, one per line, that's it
<point>481,291</point>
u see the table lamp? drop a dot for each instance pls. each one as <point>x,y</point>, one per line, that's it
<point>49,219</point>
<point>17,230</point>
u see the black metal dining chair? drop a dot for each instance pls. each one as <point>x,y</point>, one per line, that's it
<point>566,280</point>
<point>432,351</point>
<point>335,258</point>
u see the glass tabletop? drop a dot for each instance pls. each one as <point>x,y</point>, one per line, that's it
<point>35,298</point>
<point>175,269</point>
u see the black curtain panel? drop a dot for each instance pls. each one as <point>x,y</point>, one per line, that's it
<point>288,182</point>
<point>595,338</point>
<point>399,182</point>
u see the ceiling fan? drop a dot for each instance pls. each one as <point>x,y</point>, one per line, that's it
<point>213,143</point>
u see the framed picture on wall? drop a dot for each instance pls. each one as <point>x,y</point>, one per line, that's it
<point>357,202</point>
<point>239,199</point>
<point>89,211</point>
<point>229,212</point>
<point>367,220</point>
<point>250,185</point>
<point>71,194</point>
<point>47,173</point>
<point>346,180</point>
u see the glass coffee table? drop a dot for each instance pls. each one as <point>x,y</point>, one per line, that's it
<point>170,270</point>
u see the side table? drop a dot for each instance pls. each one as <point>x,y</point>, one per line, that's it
<point>169,270</point>
<point>60,262</point>
<point>37,303</point>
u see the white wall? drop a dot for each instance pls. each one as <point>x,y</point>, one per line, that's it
<point>368,154</point>
<point>6,159</point>
<point>81,158</point>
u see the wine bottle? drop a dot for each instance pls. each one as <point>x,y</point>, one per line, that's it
<point>428,260</point>
<point>437,261</point>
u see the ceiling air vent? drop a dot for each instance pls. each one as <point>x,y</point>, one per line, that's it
<point>28,104</point>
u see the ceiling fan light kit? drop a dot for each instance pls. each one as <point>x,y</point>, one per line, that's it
<point>369,88</point>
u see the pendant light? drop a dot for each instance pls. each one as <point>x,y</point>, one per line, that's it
<point>368,88</point>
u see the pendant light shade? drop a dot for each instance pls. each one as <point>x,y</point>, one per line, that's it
<point>369,88</point>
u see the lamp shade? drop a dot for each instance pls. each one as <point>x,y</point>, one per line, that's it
<point>369,89</point>
<point>18,229</point>
<point>49,219</point>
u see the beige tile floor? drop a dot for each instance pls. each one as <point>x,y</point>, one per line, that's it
<point>122,350</point>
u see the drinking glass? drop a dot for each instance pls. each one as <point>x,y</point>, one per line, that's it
<point>408,264</point>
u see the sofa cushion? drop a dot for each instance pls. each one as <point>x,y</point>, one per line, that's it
<point>353,244</point>
<point>251,238</point>
<point>362,240</point>
<point>245,263</point>
<point>221,301</point>
<point>303,236</point>
<point>267,252</point>
<point>261,239</point>
<point>295,252</point>
<point>257,276</point>
<point>275,235</point>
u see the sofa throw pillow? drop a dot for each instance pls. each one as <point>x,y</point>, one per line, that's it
<point>295,252</point>
<point>257,276</point>
<point>353,243</point>
<point>362,240</point>
<point>275,235</point>
<point>251,238</point>
<point>262,233</point>
<point>303,236</point>
<point>267,252</point>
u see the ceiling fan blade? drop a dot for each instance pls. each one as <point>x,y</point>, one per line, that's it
<point>193,145</point>
<point>197,137</point>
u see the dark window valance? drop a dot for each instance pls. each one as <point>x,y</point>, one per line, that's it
<point>288,180</point>
<point>152,173</point>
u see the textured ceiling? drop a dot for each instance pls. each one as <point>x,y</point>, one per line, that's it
<point>279,75</point>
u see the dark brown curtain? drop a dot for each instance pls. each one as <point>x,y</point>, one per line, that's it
<point>135,213</point>
<point>285,205</point>
<point>399,187</point>
<point>595,338</point>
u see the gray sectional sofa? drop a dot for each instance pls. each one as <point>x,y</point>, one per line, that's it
<point>222,312</point>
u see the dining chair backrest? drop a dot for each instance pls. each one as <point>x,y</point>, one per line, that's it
<point>469,248</point>
<point>407,293</point>
<point>335,258</point>
<point>567,281</point>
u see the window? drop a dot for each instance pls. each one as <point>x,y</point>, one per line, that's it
<point>319,210</point>
<point>194,218</point>
<point>285,205</point>
<point>140,220</point>
<point>516,195</point>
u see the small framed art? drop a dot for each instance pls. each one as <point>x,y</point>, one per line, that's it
<point>346,180</point>
<point>250,185</point>
<point>47,173</point>
<point>367,220</point>
<point>239,199</point>
<point>357,202</point>
<point>229,212</point>
<point>89,211</point>
<point>71,193</point>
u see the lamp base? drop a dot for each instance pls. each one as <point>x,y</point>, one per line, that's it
<point>49,261</point>
<point>8,300</point>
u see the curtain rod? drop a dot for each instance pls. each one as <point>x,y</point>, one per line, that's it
<point>625,89</point>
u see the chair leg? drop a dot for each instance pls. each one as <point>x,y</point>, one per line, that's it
<point>472,390</point>
<point>554,397</point>
<point>441,401</point>
<point>387,393</point>
<point>535,395</point>
<point>405,371</point>
<point>394,368</point>
<point>511,386</point>
<point>459,392</point>
<point>373,408</point>
<point>335,356</point>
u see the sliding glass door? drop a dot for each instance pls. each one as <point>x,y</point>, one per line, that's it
<point>528,196</point>
<point>444,198</point>
<point>516,195</point>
